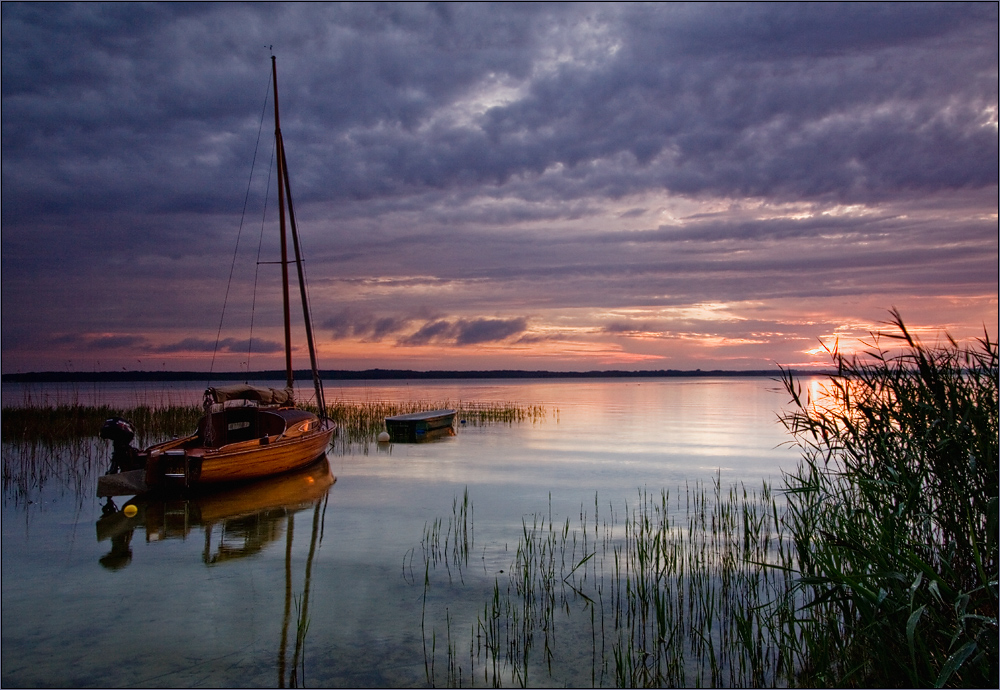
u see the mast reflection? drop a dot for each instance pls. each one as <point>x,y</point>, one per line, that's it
<point>237,522</point>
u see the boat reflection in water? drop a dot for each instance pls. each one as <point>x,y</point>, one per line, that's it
<point>238,522</point>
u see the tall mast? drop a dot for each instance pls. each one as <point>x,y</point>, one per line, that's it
<point>284,242</point>
<point>285,192</point>
<point>317,382</point>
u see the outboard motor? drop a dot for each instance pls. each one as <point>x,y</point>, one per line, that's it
<point>125,456</point>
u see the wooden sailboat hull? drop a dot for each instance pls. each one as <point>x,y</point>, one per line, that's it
<point>188,463</point>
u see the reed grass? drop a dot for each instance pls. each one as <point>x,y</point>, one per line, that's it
<point>62,423</point>
<point>358,422</point>
<point>661,594</point>
<point>58,445</point>
<point>71,467</point>
<point>893,511</point>
<point>450,543</point>
<point>875,565</point>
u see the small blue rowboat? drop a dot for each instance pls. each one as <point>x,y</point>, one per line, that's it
<point>420,426</point>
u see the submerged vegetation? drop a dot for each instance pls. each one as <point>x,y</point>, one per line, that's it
<point>875,566</point>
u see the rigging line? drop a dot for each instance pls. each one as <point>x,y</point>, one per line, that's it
<point>256,272</point>
<point>312,326</point>
<point>246,198</point>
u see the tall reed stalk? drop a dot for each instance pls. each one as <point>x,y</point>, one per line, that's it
<point>662,594</point>
<point>42,442</point>
<point>893,511</point>
<point>875,566</point>
<point>359,423</point>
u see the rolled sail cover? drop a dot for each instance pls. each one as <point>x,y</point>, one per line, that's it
<point>261,394</point>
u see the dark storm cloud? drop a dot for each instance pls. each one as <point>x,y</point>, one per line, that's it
<point>355,323</point>
<point>466,331</point>
<point>432,331</point>
<point>474,331</point>
<point>142,345</point>
<point>224,345</point>
<point>100,343</point>
<point>487,154</point>
<point>148,106</point>
<point>693,102</point>
<point>115,97</point>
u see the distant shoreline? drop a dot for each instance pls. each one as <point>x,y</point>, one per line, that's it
<point>376,375</point>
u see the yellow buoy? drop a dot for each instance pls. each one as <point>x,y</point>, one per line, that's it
<point>130,511</point>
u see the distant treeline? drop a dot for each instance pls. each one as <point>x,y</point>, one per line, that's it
<point>367,374</point>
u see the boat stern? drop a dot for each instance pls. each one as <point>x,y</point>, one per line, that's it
<point>172,468</point>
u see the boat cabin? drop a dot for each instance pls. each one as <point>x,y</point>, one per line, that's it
<point>261,414</point>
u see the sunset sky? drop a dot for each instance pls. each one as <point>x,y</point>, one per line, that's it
<point>513,186</point>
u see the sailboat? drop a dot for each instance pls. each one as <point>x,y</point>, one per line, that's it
<point>247,432</point>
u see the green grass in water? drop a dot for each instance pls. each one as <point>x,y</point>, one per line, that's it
<point>876,565</point>
<point>893,511</point>
<point>657,593</point>
<point>357,422</point>
<point>44,444</point>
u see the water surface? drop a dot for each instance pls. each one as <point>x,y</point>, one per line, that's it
<point>211,592</point>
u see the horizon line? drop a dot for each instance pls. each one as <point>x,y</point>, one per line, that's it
<point>382,374</point>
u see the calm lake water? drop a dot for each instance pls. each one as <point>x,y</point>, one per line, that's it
<point>213,592</point>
